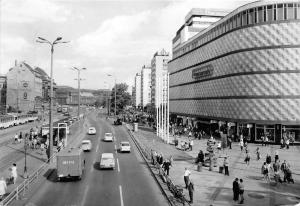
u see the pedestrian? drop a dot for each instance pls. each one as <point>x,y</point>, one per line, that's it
<point>276,155</point>
<point>262,140</point>
<point>284,166</point>
<point>190,134</point>
<point>14,173</point>
<point>229,142</point>
<point>3,188</point>
<point>241,190</point>
<point>241,144</point>
<point>166,166</point>
<point>257,154</point>
<point>219,146</point>
<point>264,171</point>
<point>191,145</point>
<point>236,189</point>
<point>226,165</point>
<point>191,190</point>
<point>276,166</point>
<point>34,143</point>
<point>268,159</point>
<point>20,136</point>
<point>154,157</point>
<point>16,138</point>
<point>266,140</point>
<point>186,177</point>
<point>287,142</point>
<point>200,157</point>
<point>247,158</point>
<point>281,143</point>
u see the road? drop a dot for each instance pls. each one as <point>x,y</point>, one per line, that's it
<point>129,184</point>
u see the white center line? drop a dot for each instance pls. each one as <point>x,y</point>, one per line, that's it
<point>118,165</point>
<point>84,195</point>
<point>97,148</point>
<point>121,195</point>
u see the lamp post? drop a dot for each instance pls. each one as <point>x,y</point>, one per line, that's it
<point>115,110</point>
<point>78,71</point>
<point>107,103</point>
<point>25,150</point>
<point>56,41</point>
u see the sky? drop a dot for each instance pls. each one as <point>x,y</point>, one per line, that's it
<point>114,37</point>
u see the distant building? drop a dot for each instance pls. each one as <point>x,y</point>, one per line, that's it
<point>145,86</point>
<point>24,88</point>
<point>3,87</point>
<point>137,85</point>
<point>159,70</point>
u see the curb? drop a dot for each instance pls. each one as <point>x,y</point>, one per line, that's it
<point>153,174</point>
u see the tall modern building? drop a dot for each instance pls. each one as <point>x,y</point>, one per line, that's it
<point>242,73</point>
<point>24,88</point>
<point>159,70</point>
<point>3,87</point>
<point>145,86</point>
<point>137,92</point>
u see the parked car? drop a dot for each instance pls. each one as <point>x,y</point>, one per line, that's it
<point>86,145</point>
<point>92,130</point>
<point>107,161</point>
<point>124,147</point>
<point>108,137</point>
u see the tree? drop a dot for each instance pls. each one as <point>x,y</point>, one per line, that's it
<point>122,96</point>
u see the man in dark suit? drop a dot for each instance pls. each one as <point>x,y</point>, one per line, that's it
<point>235,188</point>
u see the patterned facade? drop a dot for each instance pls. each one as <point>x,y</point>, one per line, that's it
<point>145,86</point>
<point>243,69</point>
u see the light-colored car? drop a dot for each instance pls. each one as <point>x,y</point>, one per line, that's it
<point>107,161</point>
<point>86,145</point>
<point>108,137</point>
<point>92,130</point>
<point>124,147</point>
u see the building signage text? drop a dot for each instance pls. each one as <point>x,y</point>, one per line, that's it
<point>203,72</point>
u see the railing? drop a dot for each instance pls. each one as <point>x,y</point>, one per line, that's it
<point>176,190</point>
<point>21,189</point>
<point>17,192</point>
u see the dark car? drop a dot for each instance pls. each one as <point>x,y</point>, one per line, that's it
<point>118,122</point>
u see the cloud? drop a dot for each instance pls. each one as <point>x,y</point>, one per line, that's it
<point>28,11</point>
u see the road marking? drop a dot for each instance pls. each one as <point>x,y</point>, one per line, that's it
<point>97,148</point>
<point>116,149</point>
<point>84,195</point>
<point>92,167</point>
<point>118,165</point>
<point>121,195</point>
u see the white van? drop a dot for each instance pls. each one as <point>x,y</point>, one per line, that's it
<point>86,145</point>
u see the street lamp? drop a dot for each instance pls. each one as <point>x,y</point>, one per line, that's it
<point>56,41</point>
<point>107,102</point>
<point>78,71</point>
<point>25,150</point>
<point>115,110</point>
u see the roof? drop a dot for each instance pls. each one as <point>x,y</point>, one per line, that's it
<point>70,152</point>
<point>41,72</point>
<point>107,155</point>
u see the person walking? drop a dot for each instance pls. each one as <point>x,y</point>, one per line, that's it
<point>241,191</point>
<point>226,165</point>
<point>241,144</point>
<point>264,171</point>
<point>191,144</point>
<point>191,191</point>
<point>276,155</point>
<point>229,142</point>
<point>166,166</point>
<point>16,138</point>
<point>257,154</point>
<point>186,177</point>
<point>268,159</point>
<point>236,189</point>
<point>287,142</point>
<point>247,158</point>
<point>14,173</point>
<point>3,188</point>
<point>284,167</point>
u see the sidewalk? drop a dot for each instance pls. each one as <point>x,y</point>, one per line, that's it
<point>35,158</point>
<point>213,188</point>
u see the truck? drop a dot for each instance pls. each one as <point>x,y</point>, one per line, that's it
<point>70,163</point>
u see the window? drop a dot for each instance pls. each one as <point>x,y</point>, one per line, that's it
<point>269,13</point>
<point>295,11</point>
<point>238,20</point>
<point>255,15</point>
<point>280,12</point>
<point>290,11</point>
<point>260,15</point>
<point>244,18</point>
<point>274,13</point>
<point>251,16</point>
<point>298,11</point>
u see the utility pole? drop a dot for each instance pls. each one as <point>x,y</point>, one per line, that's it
<point>78,78</point>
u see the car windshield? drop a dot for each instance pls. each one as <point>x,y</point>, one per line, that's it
<point>125,144</point>
<point>106,158</point>
<point>85,142</point>
<point>108,135</point>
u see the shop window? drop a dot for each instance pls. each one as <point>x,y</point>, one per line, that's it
<point>295,11</point>
<point>266,131</point>
<point>290,11</point>
<point>260,15</point>
<point>298,11</point>
<point>291,132</point>
<point>255,16</point>
<point>279,12</point>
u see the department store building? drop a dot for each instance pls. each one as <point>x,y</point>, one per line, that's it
<point>241,73</point>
